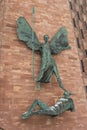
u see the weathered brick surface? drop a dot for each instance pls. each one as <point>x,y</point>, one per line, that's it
<point>17,89</point>
<point>79,16</point>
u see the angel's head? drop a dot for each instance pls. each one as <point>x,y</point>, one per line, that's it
<point>46,37</point>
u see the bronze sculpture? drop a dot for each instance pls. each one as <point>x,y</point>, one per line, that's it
<point>63,104</point>
<point>58,43</point>
<point>48,66</point>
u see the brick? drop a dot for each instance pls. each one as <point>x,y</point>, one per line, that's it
<point>18,90</point>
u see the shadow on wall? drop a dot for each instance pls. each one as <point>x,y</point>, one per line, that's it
<point>1,128</point>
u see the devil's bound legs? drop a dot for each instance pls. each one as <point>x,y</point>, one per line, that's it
<point>29,112</point>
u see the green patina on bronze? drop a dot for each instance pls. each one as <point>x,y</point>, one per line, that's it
<point>33,11</point>
<point>57,44</point>
<point>63,104</point>
<point>48,66</point>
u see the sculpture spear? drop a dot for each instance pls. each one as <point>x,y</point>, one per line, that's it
<point>33,11</point>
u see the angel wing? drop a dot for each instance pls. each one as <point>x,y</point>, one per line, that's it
<point>24,32</point>
<point>60,41</point>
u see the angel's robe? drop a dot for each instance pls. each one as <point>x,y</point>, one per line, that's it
<point>47,64</point>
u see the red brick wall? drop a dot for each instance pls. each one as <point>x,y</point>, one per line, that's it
<point>79,16</point>
<point>17,89</point>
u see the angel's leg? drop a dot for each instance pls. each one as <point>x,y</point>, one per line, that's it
<point>38,80</point>
<point>29,112</point>
<point>58,77</point>
<point>38,86</point>
<point>40,76</point>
